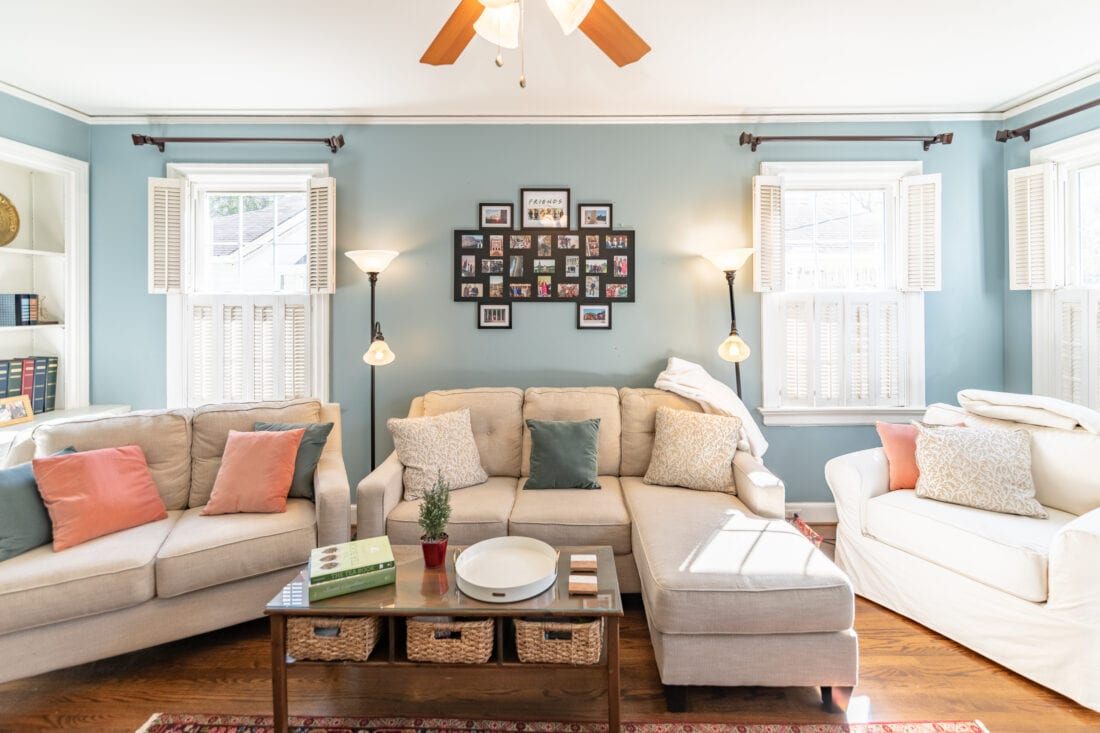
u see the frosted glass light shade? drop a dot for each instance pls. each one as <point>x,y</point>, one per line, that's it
<point>734,349</point>
<point>499,25</point>
<point>379,354</point>
<point>372,260</point>
<point>730,260</point>
<point>570,13</point>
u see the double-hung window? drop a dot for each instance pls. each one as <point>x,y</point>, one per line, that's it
<point>244,254</point>
<point>1054,251</point>
<point>844,252</point>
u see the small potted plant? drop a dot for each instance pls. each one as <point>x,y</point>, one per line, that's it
<point>435,510</point>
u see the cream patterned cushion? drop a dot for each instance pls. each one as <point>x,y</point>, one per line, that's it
<point>984,468</point>
<point>434,447</point>
<point>693,450</point>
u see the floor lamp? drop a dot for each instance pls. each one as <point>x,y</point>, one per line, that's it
<point>373,262</point>
<point>734,347</point>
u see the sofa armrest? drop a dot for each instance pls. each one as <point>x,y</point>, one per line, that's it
<point>378,494</point>
<point>854,479</point>
<point>332,499</point>
<point>761,490</point>
<point>1074,573</point>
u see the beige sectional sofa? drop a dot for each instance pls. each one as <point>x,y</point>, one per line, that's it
<point>733,594</point>
<point>180,576</point>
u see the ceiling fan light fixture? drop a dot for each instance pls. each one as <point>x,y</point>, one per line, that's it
<point>499,24</point>
<point>570,13</point>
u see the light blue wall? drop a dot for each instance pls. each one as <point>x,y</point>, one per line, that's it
<point>43,128</point>
<point>1017,153</point>
<point>407,187</point>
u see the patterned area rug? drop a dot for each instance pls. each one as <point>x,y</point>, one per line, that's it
<point>176,723</point>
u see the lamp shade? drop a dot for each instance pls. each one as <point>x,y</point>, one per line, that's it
<point>372,260</point>
<point>730,260</point>
<point>734,349</point>
<point>379,354</point>
<point>570,13</point>
<point>499,25</point>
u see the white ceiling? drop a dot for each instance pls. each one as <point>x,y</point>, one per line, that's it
<point>710,57</point>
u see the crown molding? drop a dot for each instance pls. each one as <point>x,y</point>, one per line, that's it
<point>1050,93</point>
<point>49,104</point>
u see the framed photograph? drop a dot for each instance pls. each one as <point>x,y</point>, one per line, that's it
<point>14,410</point>
<point>494,315</point>
<point>544,208</point>
<point>495,216</point>
<point>593,315</point>
<point>594,216</point>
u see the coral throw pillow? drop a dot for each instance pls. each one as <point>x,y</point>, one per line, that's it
<point>97,492</point>
<point>256,472</point>
<point>899,442</point>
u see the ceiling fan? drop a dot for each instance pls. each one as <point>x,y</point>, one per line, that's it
<point>498,21</point>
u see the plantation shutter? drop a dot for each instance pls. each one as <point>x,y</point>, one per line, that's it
<point>263,352</point>
<point>829,364</point>
<point>798,329</point>
<point>322,235</point>
<point>1072,348</point>
<point>295,351</point>
<point>203,356</point>
<point>861,361</point>
<point>920,232</point>
<point>1032,250</point>
<point>166,198</point>
<point>890,392</point>
<point>232,353</point>
<point>767,234</point>
<point>1094,348</point>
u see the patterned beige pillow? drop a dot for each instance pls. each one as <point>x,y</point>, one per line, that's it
<point>984,468</point>
<point>693,450</point>
<point>429,447</point>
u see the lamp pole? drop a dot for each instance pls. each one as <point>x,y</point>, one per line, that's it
<point>730,275</point>
<point>373,327</point>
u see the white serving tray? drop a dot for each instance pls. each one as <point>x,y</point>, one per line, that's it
<point>506,569</point>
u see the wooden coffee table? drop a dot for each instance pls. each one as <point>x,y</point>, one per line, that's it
<point>421,591</point>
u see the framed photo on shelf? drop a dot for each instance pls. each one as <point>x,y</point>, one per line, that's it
<point>594,216</point>
<point>15,410</point>
<point>494,315</point>
<point>495,216</point>
<point>593,315</point>
<point>544,208</point>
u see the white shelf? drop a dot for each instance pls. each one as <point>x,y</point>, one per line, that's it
<point>33,252</point>
<point>62,415</point>
<point>32,328</point>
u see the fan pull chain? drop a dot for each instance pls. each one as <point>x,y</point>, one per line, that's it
<point>522,44</point>
<point>500,57</point>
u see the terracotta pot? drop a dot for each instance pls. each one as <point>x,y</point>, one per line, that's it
<point>435,553</point>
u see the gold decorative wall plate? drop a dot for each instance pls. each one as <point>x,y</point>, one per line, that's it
<point>9,221</point>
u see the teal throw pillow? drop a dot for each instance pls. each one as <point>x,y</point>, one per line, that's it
<point>563,454</point>
<point>309,453</point>
<point>24,522</point>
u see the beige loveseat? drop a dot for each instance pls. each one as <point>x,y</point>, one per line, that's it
<point>183,575</point>
<point>733,594</point>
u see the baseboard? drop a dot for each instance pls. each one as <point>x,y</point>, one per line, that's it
<point>813,512</point>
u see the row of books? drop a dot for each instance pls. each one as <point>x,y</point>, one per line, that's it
<point>349,567</point>
<point>18,309</point>
<point>33,376</point>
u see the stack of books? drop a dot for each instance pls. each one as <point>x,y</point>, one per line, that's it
<point>34,376</point>
<point>18,309</point>
<point>348,567</point>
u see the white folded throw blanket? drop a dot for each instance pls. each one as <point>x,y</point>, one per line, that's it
<point>1032,409</point>
<point>690,380</point>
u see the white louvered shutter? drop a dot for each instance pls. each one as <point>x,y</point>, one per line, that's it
<point>204,356</point>
<point>295,351</point>
<point>166,199</point>
<point>322,235</point>
<point>920,232</point>
<point>1033,252</point>
<point>888,330</point>
<point>263,352</point>
<point>797,330</point>
<point>767,234</point>
<point>1072,348</point>
<point>1094,350</point>
<point>829,361</point>
<point>859,388</point>
<point>233,354</point>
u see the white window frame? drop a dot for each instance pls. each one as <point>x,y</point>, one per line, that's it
<point>228,176</point>
<point>1068,156</point>
<point>847,175</point>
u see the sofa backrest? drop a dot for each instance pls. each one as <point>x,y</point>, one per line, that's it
<point>639,413</point>
<point>163,435</point>
<point>496,416</point>
<point>577,403</point>
<point>330,412</point>
<point>1063,462</point>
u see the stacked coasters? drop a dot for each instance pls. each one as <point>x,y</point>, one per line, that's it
<point>582,575</point>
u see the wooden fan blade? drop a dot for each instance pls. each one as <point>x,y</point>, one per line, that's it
<point>612,34</point>
<point>455,34</point>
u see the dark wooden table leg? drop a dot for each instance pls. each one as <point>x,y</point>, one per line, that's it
<point>278,672</point>
<point>613,689</point>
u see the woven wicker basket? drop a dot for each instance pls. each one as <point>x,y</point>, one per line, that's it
<point>331,637</point>
<point>559,642</point>
<point>450,642</point>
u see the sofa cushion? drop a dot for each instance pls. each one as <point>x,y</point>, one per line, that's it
<point>563,454</point>
<point>709,566</point>
<point>24,521</point>
<point>164,438</point>
<point>204,551</point>
<point>477,513</point>
<point>116,571</point>
<point>694,450</point>
<point>434,449</point>
<point>574,516</point>
<point>212,423</point>
<point>577,403</point>
<point>496,416</point>
<point>639,412</point>
<point>256,472</point>
<point>308,455</point>
<point>1004,551</point>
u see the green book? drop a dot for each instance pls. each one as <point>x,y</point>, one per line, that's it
<point>15,377</point>
<point>352,584</point>
<point>350,558</point>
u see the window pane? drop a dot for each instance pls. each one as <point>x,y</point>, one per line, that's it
<point>1088,207</point>
<point>254,242</point>
<point>833,216</point>
<point>835,239</point>
<point>798,217</point>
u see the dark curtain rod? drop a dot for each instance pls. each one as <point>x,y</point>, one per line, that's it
<point>334,143</point>
<point>927,140</point>
<point>1003,136</point>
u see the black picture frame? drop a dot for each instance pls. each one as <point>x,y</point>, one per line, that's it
<point>487,220</point>
<point>588,324</point>
<point>556,199</point>
<point>495,314</point>
<point>583,221</point>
